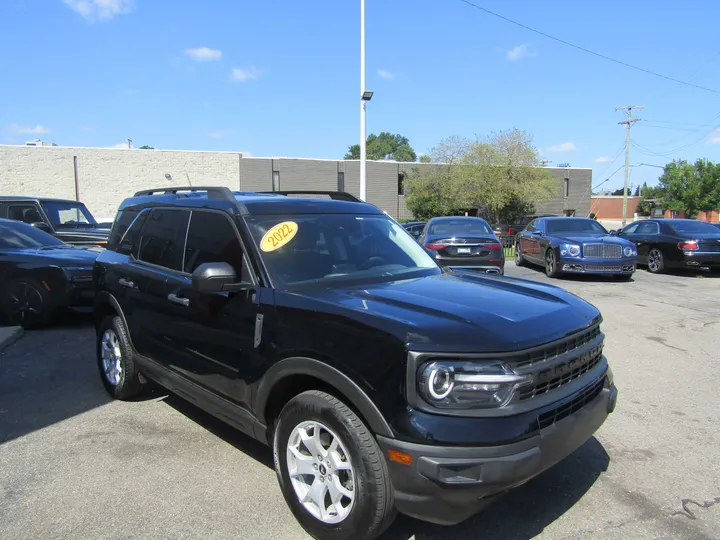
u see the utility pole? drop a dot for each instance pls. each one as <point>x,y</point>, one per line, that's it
<point>363,103</point>
<point>129,143</point>
<point>628,123</point>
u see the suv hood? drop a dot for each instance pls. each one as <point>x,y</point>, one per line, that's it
<point>83,235</point>
<point>459,312</point>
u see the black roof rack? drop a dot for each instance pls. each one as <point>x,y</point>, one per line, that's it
<point>335,195</point>
<point>214,192</point>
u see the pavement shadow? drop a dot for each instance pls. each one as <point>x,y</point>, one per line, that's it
<point>246,444</point>
<point>524,512</point>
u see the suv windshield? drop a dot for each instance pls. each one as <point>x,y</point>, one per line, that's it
<point>460,227</point>
<point>574,225</point>
<point>324,248</point>
<point>68,214</point>
<point>699,227</point>
<point>21,236</point>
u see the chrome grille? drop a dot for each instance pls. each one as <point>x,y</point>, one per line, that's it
<point>602,251</point>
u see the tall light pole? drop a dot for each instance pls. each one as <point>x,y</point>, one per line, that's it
<point>628,123</point>
<point>363,103</point>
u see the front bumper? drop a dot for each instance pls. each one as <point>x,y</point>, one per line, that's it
<point>577,265</point>
<point>447,484</point>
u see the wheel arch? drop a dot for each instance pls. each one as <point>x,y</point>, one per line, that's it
<point>106,305</point>
<point>292,376</point>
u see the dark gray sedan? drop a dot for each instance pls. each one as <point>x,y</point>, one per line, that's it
<point>464,242</point>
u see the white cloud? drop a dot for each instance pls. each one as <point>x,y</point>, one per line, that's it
<point>386,74</point>
<point>564,147</point>
<point>121,145</point>
<point>520,52</point>
<point>220,134</point>
<point>29,130</point>
<point>204,54</point>
<point>604,159</point>
<point>244,75</point>
<point>99,10</point>
<point>714,137</point>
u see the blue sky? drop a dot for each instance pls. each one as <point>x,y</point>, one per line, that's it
<point>281,78</point>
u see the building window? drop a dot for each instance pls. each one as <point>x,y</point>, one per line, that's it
<point>567,188</point>
<point>341,181</point>
<point>401,183</point>
<point>276,181</point>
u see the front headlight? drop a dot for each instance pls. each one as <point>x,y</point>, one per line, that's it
<point>78,273</point>
<point>468,385</point>
<point>570,250</point>
<point>629,252</point>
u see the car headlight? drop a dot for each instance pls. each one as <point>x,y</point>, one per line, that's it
<point>629,252</point>
<point>570,250</point>
<point>78,273</point>
<point>468,385</point>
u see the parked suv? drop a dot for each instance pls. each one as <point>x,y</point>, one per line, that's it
<point>382,382</point>
<point>68,221</point>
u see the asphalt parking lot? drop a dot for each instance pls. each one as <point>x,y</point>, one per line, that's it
<point>73,464</point>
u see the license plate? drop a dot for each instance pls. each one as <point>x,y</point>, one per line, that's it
<point>463,250</point>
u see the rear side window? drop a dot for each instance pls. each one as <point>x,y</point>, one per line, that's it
<point>212,238</point>
<point>163,238</point>
<point>122,221</point>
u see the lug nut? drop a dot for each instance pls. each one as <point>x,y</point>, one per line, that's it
<point>329,477</point>
<point>319,457</point>
<point>322,478</point>
<point>315,466</point>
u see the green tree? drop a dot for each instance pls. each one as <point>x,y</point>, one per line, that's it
<point>690,188</point>
<point>496,176</point>
<point>146,147</point>
<point>648,202</point>
<point>384,146</point>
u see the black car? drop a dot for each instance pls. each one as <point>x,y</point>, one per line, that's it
<point>414,227</point>
<point>323,329</point>
<point>464,243</point>
<point>674,243</point>
<point>39,275</point>
<point>69,221</point>
<point>574,245</point>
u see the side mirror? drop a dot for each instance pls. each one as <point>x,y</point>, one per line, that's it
<point>42,226</point>
<point>216,277</point>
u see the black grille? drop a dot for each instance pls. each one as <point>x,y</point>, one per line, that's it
<point>557,348</point>
<point>548,418</point>
<point>560,374</point>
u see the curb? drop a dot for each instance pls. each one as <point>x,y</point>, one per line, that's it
<point>9,335</point>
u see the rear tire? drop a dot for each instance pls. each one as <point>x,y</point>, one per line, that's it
<point>26,302</point>
<point>656,261</point>
<point>118,371</point>
<point>551,269</point>
<point>343,494</point>
<point>519,259</point>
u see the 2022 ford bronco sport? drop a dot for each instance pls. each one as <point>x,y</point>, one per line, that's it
<point>322,328</point>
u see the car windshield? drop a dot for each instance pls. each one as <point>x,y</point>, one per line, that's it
<point>21,236</point>
<point>565,225</point>
<point>694,227</point>
<point>325,249</point>
<point>460,227</point>
<point>68,214</point>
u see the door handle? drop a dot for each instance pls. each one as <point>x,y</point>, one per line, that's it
<point>126,283</point>
<point>175,299</point>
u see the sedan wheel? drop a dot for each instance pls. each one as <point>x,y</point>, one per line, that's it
<point>26,304</point>
<point>519,259</point>
<point>656,262</point>
<point>551,264</point>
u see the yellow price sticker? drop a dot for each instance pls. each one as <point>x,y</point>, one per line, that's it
<point>278,236</point>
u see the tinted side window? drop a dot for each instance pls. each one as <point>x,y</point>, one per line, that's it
<point>27,213</point>
<point>648,228</point>
<point>212,238</point>
<point>530,226</point>
<point>630,229</point>
<point>122,221</point>
<point>163,238</point>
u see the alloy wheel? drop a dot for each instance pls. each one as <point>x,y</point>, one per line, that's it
<point>550,263</point>
<point>111,357</point>
<point>654,260</point>
<point>25,304</point>
<point>321,472</point>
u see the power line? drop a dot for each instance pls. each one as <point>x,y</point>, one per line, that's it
<point>613,160</point>
<point>583,49</point>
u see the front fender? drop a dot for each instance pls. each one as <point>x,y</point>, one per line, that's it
<point>289,367</point>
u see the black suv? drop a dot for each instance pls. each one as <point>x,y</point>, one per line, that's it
<point>323,329</point>
<point>69,221</point>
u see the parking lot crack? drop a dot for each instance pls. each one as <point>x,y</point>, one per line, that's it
<point>688,513</point>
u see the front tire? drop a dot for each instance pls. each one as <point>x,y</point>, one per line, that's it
<point>118,371</point>
<point>551,267</point>
<point>656,261</point>
<point>331,470</point>
<point>519,259</point>
<point>27,303</point>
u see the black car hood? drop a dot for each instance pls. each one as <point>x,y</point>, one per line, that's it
<point>89,234</point>
<point>459,312</point>
<point>60,256</point>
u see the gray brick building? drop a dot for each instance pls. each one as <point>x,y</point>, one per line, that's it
<point>103,177</point>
